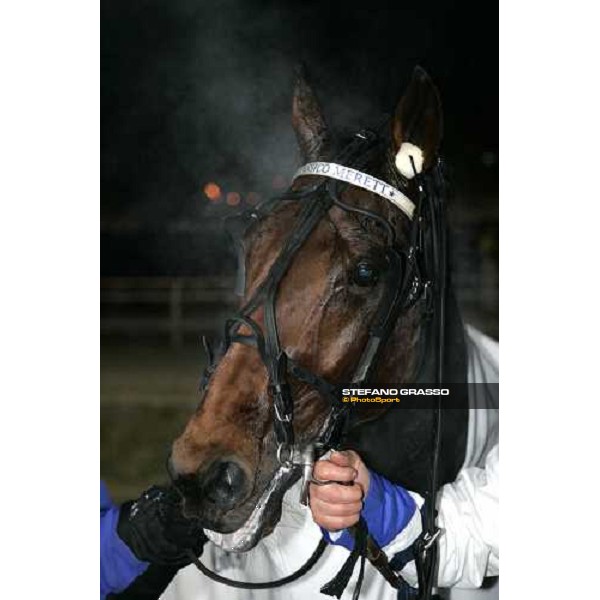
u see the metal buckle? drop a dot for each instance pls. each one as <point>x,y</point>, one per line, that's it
<point>428,297</point>
<point>290,457</point>
<point>366,134</point>
<point>307,460</point>
<point>283,419</point>
<point>429,539</point>
<point>330,482</point>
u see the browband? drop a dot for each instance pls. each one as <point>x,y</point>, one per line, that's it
<point>359,179</point>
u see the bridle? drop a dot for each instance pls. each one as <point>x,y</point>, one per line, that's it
<point>416,274</point>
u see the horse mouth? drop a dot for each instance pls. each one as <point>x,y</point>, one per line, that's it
<point>263,518</point>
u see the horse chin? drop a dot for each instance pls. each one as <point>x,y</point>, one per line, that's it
<point>264,517</point>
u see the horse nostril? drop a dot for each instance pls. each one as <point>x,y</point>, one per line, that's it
<point>224,483</point>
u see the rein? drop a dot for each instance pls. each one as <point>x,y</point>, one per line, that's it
<point>413,275</point>
<point>261,585</point>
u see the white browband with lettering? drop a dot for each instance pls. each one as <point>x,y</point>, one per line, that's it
<point>359,179</point>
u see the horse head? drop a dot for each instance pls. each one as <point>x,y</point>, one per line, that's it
<point>323,264</point>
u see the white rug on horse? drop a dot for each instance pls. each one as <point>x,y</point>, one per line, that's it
<point>279,554</point>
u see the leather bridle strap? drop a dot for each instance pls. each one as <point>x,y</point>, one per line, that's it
<point>426,547</point>
<point>262,585</point>
<point>359,179</point>
<point>276,360</point>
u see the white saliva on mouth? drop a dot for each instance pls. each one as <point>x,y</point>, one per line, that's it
<point>248,535</point>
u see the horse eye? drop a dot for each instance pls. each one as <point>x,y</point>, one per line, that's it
<point>365,274</point>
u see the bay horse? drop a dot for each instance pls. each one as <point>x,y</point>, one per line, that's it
<point>338,286</point>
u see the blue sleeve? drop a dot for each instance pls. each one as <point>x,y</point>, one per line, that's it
<point>387,510</point>
<point>118,565</point>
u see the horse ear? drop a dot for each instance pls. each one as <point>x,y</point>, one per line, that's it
<point>308,120</point>
<point>417,125</point>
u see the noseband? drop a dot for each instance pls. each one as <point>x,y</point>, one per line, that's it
<point>415,274</point>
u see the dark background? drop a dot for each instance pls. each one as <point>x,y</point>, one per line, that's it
<point>198,91</point>
<point>193,92</point>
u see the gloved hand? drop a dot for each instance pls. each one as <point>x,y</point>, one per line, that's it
<point>156,531</point>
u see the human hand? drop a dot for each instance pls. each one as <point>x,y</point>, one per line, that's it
<point>336,506</point>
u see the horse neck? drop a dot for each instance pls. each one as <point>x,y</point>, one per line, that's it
<point>424,351</point>
<point>455,350</point>
<point>408,432</point>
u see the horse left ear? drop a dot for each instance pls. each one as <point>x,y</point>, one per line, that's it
<point>417,125</point>
<point>308,120</point>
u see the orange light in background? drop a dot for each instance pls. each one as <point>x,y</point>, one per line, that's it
<point>252,198</point>
<point>212,191</point>
<point>279,182</point>
<point>233,198</point>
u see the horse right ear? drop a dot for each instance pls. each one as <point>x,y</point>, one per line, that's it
<point>308,120</point>
<point>417,125</point>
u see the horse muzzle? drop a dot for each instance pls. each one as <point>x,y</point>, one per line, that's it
<point>216,495</point>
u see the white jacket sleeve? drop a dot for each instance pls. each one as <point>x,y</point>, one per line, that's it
<point>468,517</point>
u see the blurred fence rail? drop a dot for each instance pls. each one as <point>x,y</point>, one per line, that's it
<point>180,308</point>
<point>173,307</point>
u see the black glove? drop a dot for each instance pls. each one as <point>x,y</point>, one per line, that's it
<point>156,531</point>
